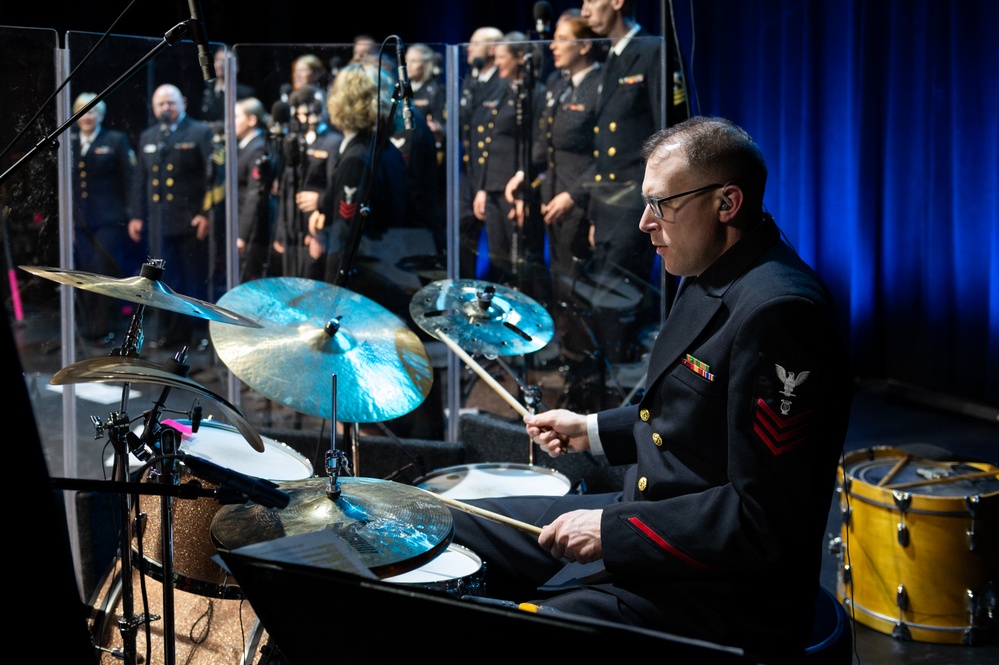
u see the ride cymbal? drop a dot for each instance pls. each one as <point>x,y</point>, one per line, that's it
<point>393,528</point>
<point>120,369</point>
<point>482,318</point>
<point>144,289</point>
<point>313,330</point>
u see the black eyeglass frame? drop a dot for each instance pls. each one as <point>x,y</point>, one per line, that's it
<point>654,204</point>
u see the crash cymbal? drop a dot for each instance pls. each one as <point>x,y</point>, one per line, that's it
<point>312,330</point>
<point>119,369</point>
<point>145,289</point>
<point>482,317</point>
<point>392,527</point>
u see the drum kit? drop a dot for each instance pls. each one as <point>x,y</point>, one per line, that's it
<point>223,486</point>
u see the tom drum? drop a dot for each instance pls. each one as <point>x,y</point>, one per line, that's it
<point>479,481</point>
<point>457,571</point>
<point>193,549</point>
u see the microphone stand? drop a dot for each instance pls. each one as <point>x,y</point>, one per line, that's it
<point>524,91</point>
<point>356,225</point>
<point>172,36</point>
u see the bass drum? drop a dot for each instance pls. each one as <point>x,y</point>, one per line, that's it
<point>207,631</point>
<point>194,570</point>
<point>920,546</point>
<point>480,481</point>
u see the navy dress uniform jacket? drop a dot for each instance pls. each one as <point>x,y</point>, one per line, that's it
<point>174,176</point>
<point>628,112</point>
<point>718,532</point>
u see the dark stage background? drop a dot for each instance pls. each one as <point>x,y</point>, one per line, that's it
<point>880,121</point>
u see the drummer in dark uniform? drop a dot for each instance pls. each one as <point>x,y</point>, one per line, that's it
<point>171,202</point>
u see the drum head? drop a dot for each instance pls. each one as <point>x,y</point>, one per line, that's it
<point>478,481</point>
<point>928,472</point>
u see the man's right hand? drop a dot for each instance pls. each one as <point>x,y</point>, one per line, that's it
<point>558,431</point>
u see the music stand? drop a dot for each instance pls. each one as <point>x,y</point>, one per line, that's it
<point>311,613</point>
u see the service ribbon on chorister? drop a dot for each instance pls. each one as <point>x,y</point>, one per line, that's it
<point>699,367</point>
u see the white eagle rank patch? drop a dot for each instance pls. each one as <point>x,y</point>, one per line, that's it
<point>790,380</point>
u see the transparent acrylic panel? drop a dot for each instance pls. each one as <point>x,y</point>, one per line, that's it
<point>29,211</point>
<point>393,260</point>
<point>602,294</point>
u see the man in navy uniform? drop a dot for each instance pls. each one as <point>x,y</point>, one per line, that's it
<point>732,464</point>
<point>172,202</point>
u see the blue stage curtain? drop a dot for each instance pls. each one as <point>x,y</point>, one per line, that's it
<point>880,122</point>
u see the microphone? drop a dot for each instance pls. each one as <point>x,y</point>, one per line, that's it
<point>257,490</point>
<point>405,85</point>
<point>196,417</point>
<point>542,18</point>
<point>200,38</point>
<point>280,117</point>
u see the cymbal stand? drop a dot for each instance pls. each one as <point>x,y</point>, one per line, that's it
<point>165,472</point>
<point>336,459</point>
<point>532,398</point>
<point>118,431</point>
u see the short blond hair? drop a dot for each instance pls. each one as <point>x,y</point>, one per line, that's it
<point>355,99</point>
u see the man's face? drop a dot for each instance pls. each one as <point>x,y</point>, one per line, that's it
<point>479,47</point>
<point>168,104</point>
<point>241,122</point>
<point>416,66</point>
<point>220,64</point>
<point>599,14</point>
<point>689,236</point>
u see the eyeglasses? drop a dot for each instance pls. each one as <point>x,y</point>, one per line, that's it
<point>654,204</point>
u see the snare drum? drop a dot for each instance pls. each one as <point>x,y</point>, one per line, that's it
<point>193,549</point>
<point>479,481</point>
<point>917,562</point>
<point>457,571</point>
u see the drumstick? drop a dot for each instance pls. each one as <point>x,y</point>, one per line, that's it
<point>488,514</point>
<point>894,470</point>
<point>493,383</point>
<point>946,479</point>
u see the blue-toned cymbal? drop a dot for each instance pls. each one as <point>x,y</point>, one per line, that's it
<point>311,331</point>
<point>482,318</point>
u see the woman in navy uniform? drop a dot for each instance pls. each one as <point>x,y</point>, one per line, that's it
<point>311,151</point>
<point>507,131</point>
<point>563,156</point>
<point>103,168</point>
<point>718,531</point>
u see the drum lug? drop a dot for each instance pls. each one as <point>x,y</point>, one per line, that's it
<point>902,500</point>
<point>901,632</point>
<point>835,546</point>
<point>903,534</point>
<point>847,575</point>
<point>972,502</point>
<point>845,515</point>
<point>902,598</point>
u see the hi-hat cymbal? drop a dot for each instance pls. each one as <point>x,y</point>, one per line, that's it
<point>392,527</point>
<point>482,318</point>
<point>120,369</point>
<point>313,330</point>
<point>144,289</point>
